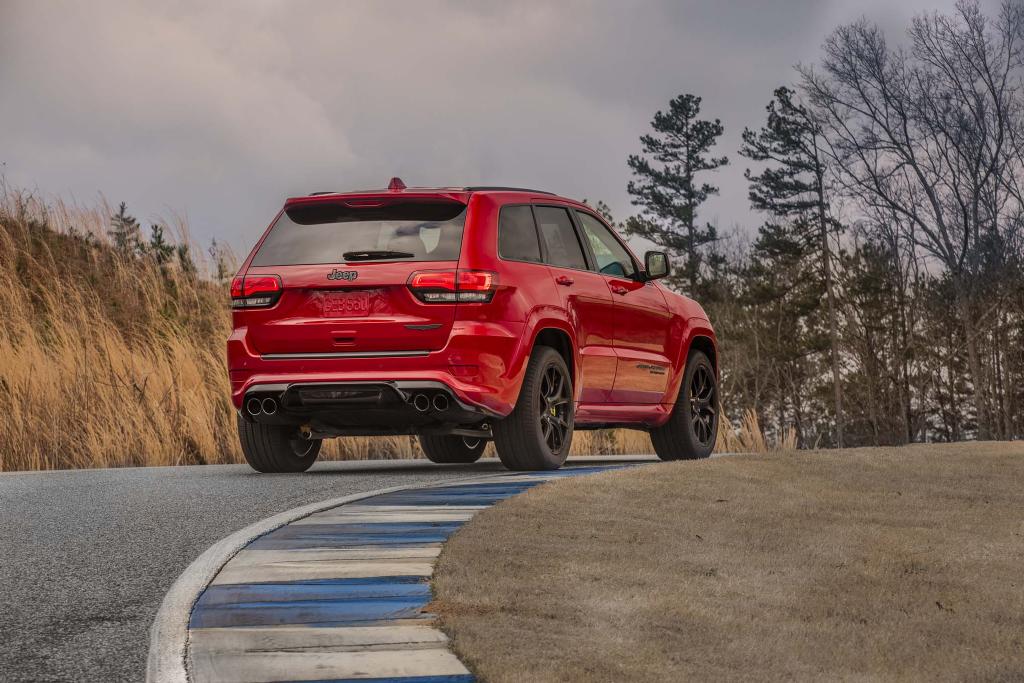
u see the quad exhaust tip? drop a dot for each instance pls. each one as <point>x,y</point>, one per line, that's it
<point>269,406</point>
<point>440,402</point>
<point>253,406</point>
<point>421,402</point>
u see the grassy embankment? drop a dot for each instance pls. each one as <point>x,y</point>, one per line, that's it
<point>110,360</point>
<point>862,564</point>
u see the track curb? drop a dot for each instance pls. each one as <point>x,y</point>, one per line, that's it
<point>167,660</point>
<point>168,635</point>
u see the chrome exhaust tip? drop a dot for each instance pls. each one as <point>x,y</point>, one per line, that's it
<point>421,403</point>
<point>269,406</point>
<point>253,406</point>
<point>440,402</point>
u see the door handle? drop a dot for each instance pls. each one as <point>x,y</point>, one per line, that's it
<point>564,280</point>
<point>619,289</point>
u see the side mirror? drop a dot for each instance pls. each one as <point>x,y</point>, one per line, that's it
<point>655,264</point>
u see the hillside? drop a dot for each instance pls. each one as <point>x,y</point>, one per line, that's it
<point>106,359</point>
<point>112,349</point>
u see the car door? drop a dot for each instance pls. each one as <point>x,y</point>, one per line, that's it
<point>585,297</point>
<point>642,318</point>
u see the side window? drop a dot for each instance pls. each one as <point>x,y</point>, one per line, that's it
<point>612,258</point>
<point>560,238</point>
<point>517,234</point>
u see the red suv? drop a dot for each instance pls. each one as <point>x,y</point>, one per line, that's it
<point>462,315</point>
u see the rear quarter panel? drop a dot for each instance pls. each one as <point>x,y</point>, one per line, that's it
<point>526,299</point>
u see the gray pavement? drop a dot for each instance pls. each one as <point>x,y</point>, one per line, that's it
<point>86,556</point>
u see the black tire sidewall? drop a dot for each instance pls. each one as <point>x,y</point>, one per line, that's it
<point>693,445</point>
<point>527,449</point>
<point>270,449</point>
<point>450,449</point>
<point>677,440</point>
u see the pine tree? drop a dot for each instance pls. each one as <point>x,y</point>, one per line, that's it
<point>223,261</point>
<point>159,248</point>
<point>602,210</point>
<point>185,262</point>
<point>124,231</point>
<point>793,186</point>
<point>782,297</point>
<point>667,185</point>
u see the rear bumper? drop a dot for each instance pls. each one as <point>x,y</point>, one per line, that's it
<point>481,365</point>
<point>363,408</point>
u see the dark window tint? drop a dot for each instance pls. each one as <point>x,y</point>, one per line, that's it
<point>612,258</point>
<point>324,232</point>
<point>517,234</point>
<point>560,238</point>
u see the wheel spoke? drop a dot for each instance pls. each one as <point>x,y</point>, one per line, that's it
<point>554,399</point>
<point>557,437</point>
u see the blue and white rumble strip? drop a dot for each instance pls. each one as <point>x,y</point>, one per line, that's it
<point>340,595</point>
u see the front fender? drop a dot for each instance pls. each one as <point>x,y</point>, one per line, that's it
<point>692,329</point>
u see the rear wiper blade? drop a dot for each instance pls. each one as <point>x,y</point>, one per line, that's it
<point>372,255</point>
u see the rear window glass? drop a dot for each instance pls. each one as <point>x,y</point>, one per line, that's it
<point>560,238</point>
<point>325,232</point>
<point>517,234</point>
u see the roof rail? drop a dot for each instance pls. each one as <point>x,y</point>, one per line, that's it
<point>499,188</point>
<point>317,194</point>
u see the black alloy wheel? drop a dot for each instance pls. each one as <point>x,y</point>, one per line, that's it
<point>703,398</point>
<point>554,407</point>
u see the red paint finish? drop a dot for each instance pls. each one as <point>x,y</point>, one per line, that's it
<point>643,341</point>
<point>469,321</point>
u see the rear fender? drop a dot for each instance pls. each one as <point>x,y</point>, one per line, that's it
<point>539,322</point>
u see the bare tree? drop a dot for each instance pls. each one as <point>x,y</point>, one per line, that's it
<point>929,135</point>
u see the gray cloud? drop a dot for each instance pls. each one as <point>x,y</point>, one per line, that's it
<point>219,111</point>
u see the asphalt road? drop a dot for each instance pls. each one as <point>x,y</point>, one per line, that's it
<point>86,556</point>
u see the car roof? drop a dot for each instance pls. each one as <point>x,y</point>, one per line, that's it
<point>456,193</point>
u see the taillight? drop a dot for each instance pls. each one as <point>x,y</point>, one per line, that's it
<point>453,286</point>
<point>255,291</point>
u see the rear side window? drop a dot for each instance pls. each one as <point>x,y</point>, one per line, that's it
<point>612,258</point>
<point>517,234</point>
<point>325,232</point>
<point>559,237</point>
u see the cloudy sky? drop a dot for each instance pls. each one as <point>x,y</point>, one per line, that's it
<point>218,111</point>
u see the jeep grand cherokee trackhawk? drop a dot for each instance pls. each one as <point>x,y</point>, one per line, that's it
<point>461,315</point>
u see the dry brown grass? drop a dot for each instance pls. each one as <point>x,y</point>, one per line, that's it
<point>109,361</point>
<point>866,564</point>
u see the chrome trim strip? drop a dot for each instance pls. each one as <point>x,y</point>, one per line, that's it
<point>343,354</point>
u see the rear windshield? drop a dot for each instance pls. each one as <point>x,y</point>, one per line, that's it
<point>325,232</point>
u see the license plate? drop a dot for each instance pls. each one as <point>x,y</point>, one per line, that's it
<point>346,304</point>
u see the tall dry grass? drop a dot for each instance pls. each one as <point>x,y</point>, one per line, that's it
<point>110,360</point>
<point>105,360</point>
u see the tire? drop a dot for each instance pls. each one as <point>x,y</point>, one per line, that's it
<point>537,434</point>
<point>272,449</point>
<point>692,427</point>
<point>452,449</point>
